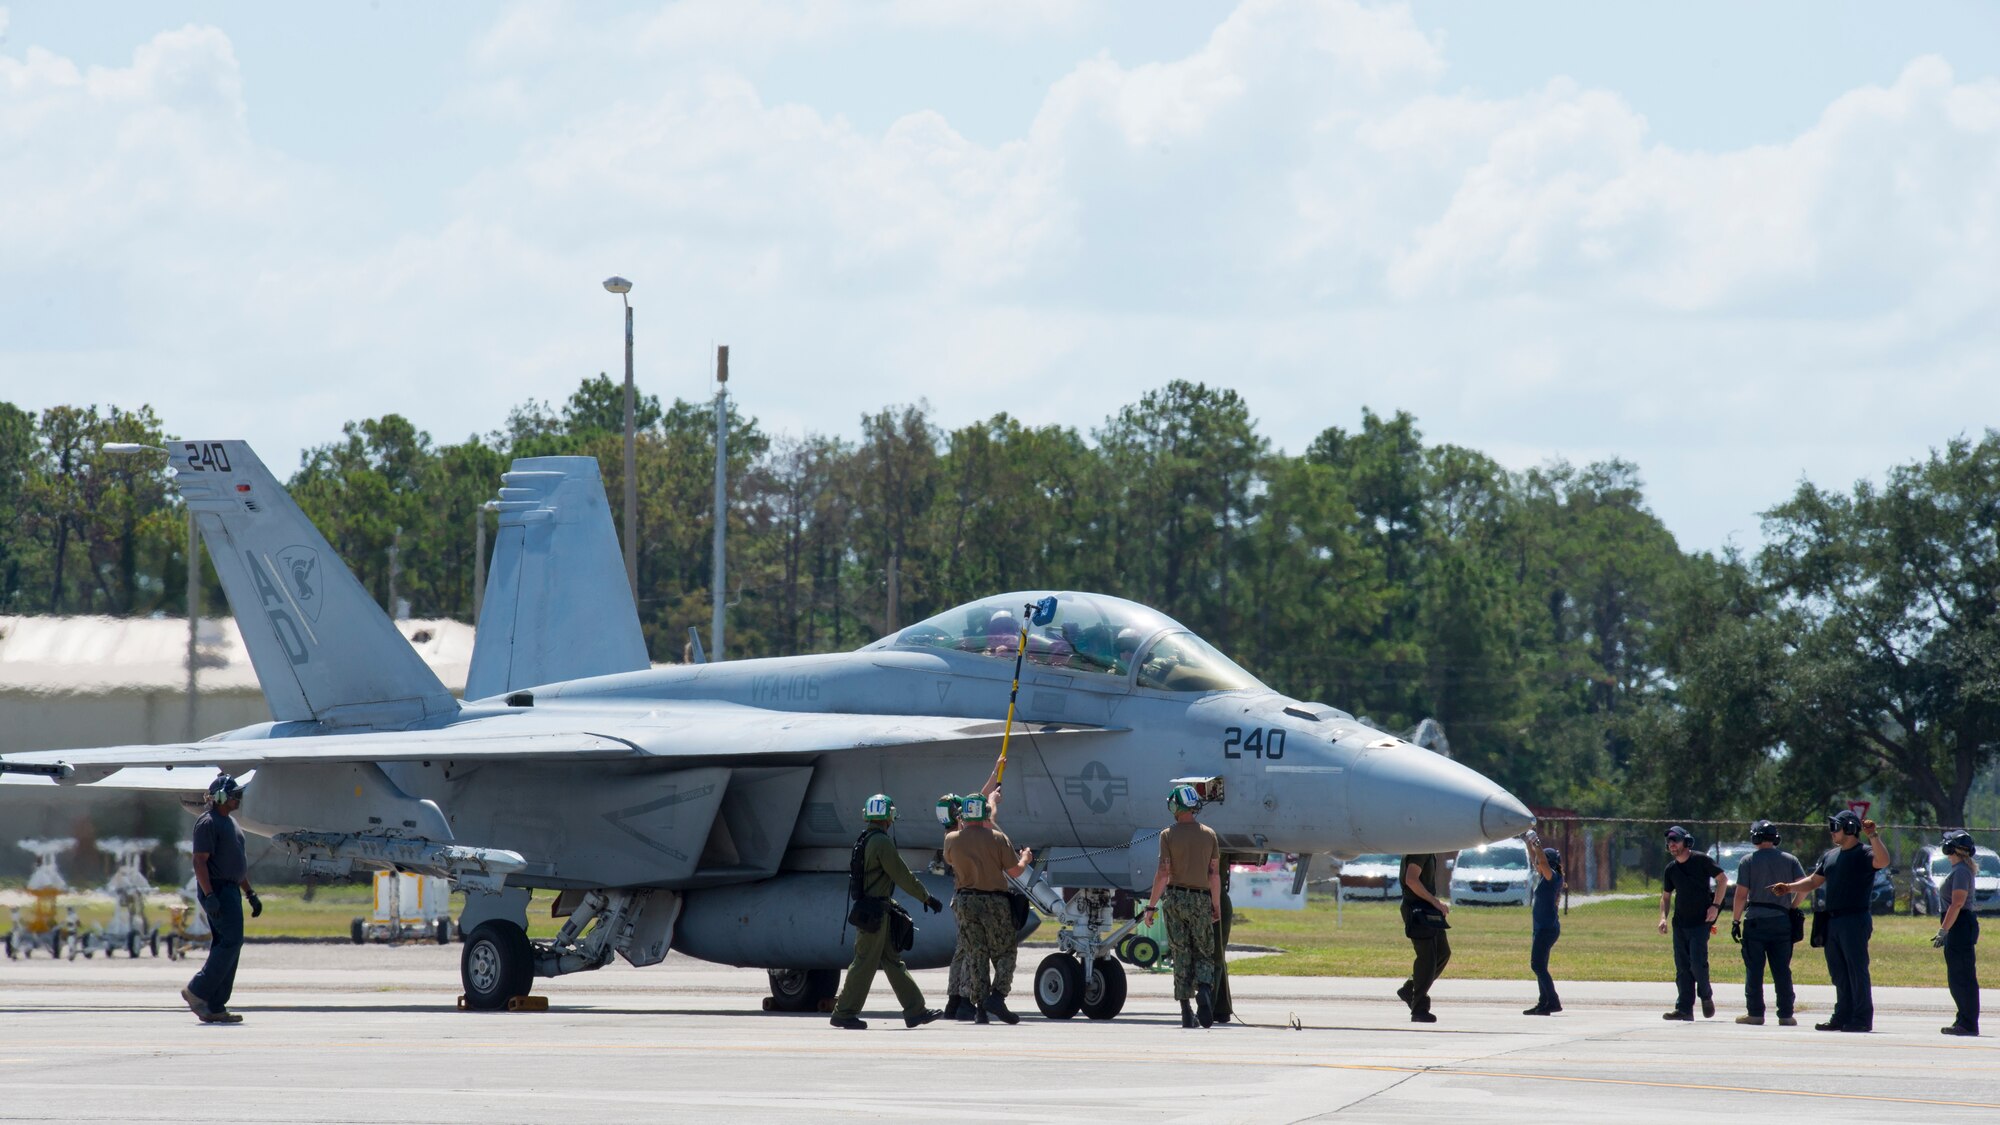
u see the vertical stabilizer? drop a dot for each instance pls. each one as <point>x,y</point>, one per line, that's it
<point>558,602</point>
<point>322,648</point>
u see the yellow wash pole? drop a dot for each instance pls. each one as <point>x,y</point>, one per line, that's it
<point>1007,732</point>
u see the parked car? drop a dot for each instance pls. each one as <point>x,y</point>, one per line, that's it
<point>1930,868</point>
<point>1881,895</point>
<point>1494,874</point>
<point>1371,877</point>
<point>1727,856</point>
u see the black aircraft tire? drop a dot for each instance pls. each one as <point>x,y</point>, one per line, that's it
<point>443,931</point>
<point>1104,996</point>
<point>496,965</point>
<point>357,931</point>
<point>1059,986</point>
<point>801,990</point>
<point>1143,951</point>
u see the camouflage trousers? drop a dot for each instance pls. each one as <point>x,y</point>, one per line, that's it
<point>1190,939</point>
<point>985,946</point>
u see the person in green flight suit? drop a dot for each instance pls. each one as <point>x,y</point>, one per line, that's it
<point>874,872</point>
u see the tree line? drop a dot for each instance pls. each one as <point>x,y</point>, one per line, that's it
<point>1545,617</point>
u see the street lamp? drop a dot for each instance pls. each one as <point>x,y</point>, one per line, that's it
<point>124,448</point>
<point>621,287</point>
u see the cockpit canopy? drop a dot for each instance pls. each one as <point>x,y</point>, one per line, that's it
<point>1091,633</point>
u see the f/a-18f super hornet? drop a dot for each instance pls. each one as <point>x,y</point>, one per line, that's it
<point>711,808</point>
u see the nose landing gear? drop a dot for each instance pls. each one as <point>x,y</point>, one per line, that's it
<point>1084,976</point>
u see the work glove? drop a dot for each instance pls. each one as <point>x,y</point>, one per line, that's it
<point>934,906</point>
<point>1736,931</point>
<point>256,904</point>
<point>1937,939</point>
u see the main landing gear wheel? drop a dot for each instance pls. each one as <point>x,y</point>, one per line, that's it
<point>444,931</point>
<point>801,990</point>
<point>357,931</point>
<point>496,966</point>
<point>1059,986</point>
<point>1104,994</point>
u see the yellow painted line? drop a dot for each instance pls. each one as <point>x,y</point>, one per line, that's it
<point>1455,1072</point>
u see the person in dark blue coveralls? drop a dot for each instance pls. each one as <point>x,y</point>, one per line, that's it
<point>1958,934</point>
<point>1547,926</point>
<point>1848,874</point>
<point>221,871</point>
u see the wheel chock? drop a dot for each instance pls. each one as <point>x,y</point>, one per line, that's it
<point>770,1003</point>
<point>826,1005</point>
<point>515,1004</point>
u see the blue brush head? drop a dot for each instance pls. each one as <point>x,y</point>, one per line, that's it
<point>1044,611</point>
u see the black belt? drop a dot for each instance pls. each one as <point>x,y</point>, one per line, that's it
<point>1769,906</point>
<point>970,891</point>
<point>1190,890</point>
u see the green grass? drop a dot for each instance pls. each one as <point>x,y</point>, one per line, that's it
<point>1616,941</point>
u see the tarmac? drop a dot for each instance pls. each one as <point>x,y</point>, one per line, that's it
<point>340,1033</point>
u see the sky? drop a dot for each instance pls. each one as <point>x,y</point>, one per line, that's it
<point>1737,245</point>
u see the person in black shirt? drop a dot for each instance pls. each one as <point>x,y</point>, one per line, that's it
<point>222,873</point>
<point>1424,924</point>
<point>1848,874</point>
<point>1684,890</point>
<point>1958,934</point>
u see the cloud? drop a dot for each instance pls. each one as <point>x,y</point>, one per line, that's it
<point>1303,204</point>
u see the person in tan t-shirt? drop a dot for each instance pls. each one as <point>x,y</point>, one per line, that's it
<point>1189,885</point>
<point>981,859</point>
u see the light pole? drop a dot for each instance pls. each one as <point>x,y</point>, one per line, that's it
<point>622,287</point>
<point>191,730</point>
<point>721,497</point>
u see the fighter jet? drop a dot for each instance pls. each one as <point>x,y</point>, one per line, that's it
<point>711,808</point>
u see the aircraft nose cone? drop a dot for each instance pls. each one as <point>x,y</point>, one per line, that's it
<point>1405,799</point>
<point>1504,815</point>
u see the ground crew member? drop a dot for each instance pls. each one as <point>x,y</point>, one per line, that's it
<point>1684,889</point>
<point>1762,921</point>
<point>874,871</point>
<point>1547,924</point>
<point>955,1007</point>
<point>1424,910</point>
<point>1848,874</point>
<point>221,871</point>
<point>1189,885</point>
<point>1958,934</point>
<point>981,858</point>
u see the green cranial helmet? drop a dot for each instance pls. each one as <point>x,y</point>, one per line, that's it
<point>1183,798</point>
<point>973,808</point>
<point>878,807</point>
<point>947,809</point>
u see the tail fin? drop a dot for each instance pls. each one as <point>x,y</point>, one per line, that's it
<point>323,650</point>
<point>558,602</point>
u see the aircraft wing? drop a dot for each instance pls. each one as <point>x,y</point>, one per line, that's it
<point>714,732</point>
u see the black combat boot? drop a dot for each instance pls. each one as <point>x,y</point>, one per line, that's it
<point>953,1006</point>
<point>1187,1013</point>
<point>849,1023</point>
<point>1204,1005</point>
<point>997,1004</point>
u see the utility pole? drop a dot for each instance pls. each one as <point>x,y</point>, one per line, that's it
<point>895,593</point>
<point>194,621</point>
<point>395,568</point>
<point>715,631</point>
<point>478,562</point>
